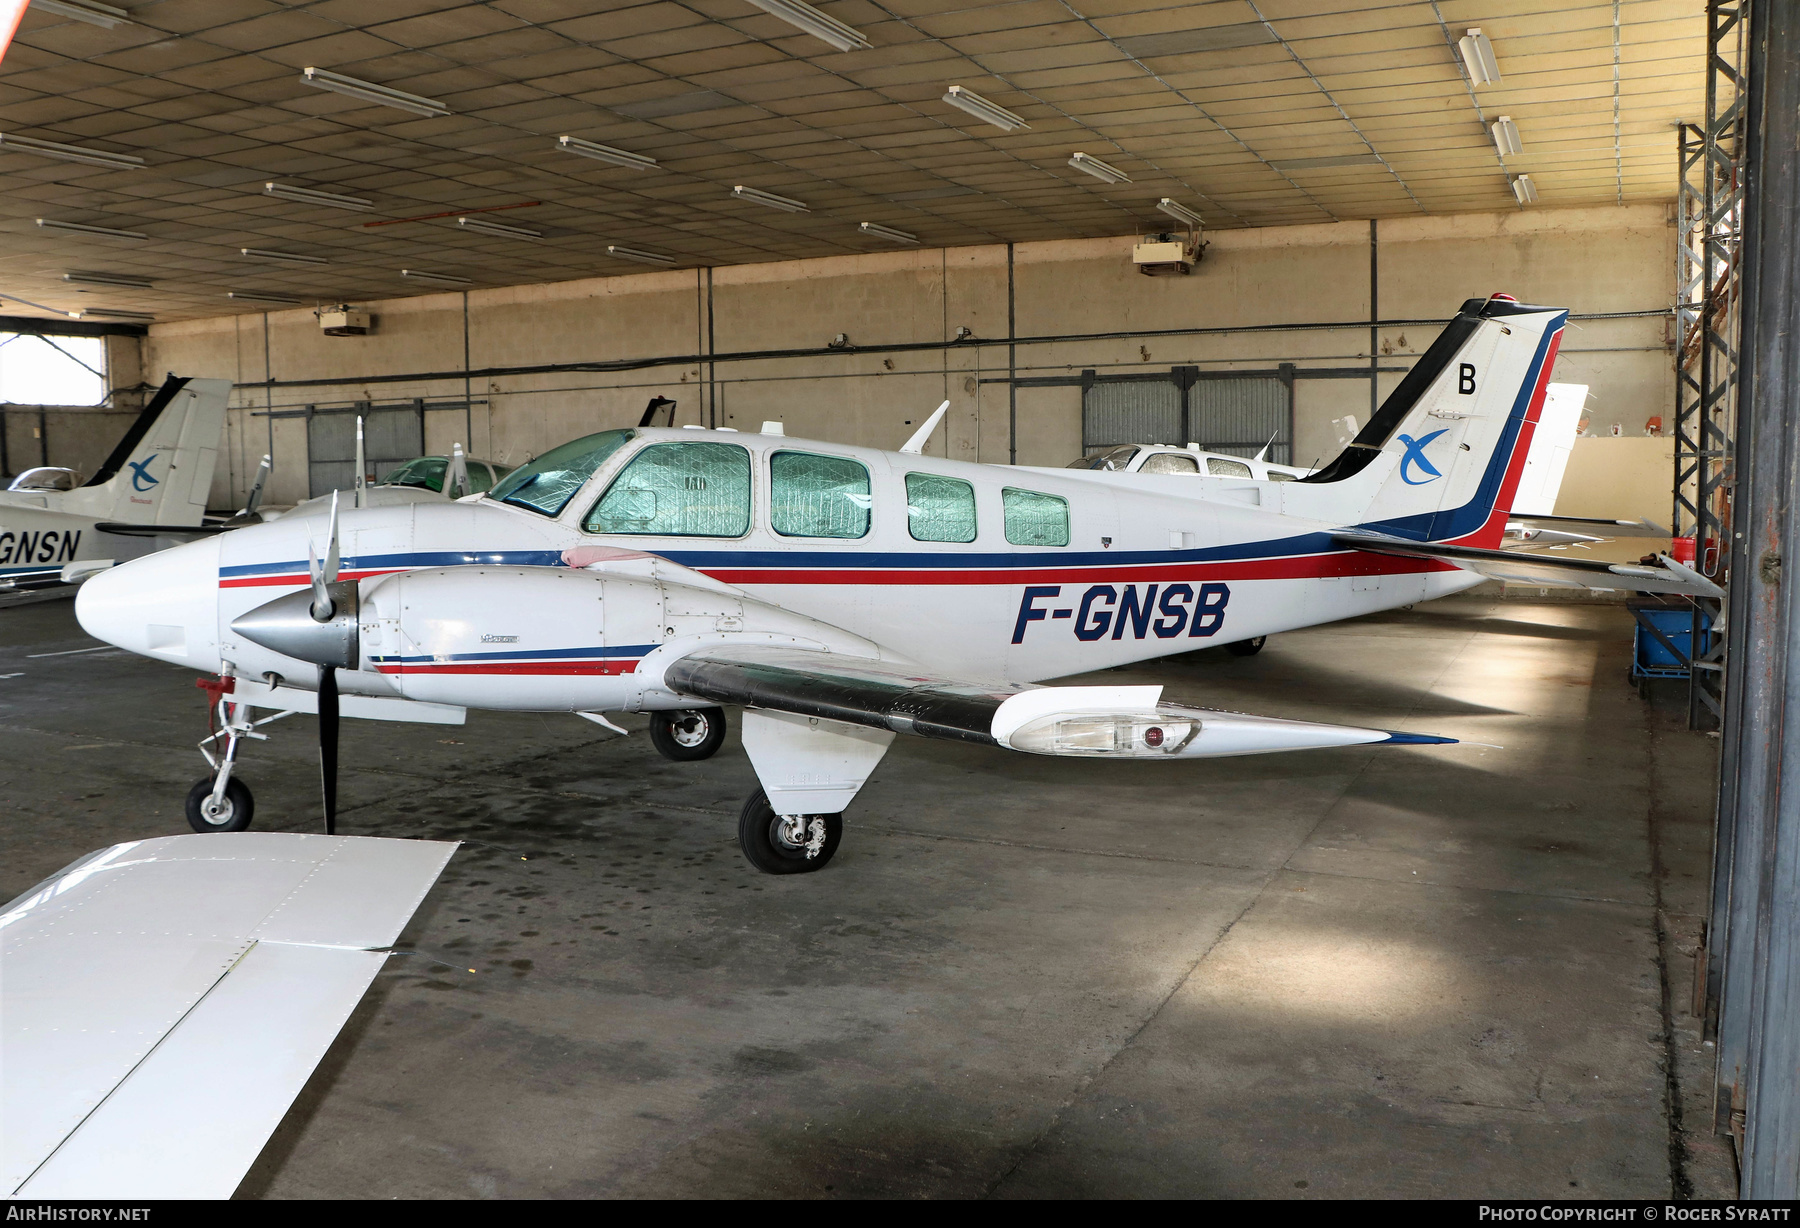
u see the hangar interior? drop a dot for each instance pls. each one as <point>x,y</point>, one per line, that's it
<point>1485,970</point>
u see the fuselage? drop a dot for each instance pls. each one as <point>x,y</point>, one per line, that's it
<point>1149,566</point>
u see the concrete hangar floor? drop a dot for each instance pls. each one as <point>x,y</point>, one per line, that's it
<point>1438,972</point>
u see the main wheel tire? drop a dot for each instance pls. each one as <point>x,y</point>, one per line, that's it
<point>234,814</point>
<point>1247,648</point>
<point>760,834</point>
<point>686,736</point>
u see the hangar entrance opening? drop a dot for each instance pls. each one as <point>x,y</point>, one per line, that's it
<point>1228,413</point>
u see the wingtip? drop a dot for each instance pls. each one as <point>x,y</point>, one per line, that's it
<point>1395,738</point>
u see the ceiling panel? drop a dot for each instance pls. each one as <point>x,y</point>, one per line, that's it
<point>1191,100</point>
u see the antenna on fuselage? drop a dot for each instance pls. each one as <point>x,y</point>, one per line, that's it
<point>657,403</point>
<point>916,445</point>
<point>1263,456</point>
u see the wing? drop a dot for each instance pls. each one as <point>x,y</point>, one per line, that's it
<point>1542,569</point>
<point>1128,722</point>
<point>165,1000</point>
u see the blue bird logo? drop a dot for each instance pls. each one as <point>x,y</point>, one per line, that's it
<point>140,472</point>
<point>1415,455</point>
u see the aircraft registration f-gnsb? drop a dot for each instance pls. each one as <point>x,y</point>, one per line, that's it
<point>843,595</point>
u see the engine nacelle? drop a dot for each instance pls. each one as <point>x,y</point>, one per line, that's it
<point>554,639</point>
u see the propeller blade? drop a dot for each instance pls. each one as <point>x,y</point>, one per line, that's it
<point>256,488</point>
<point>331,549</point>
<point>323,608</point>
<point>328,744</point>
<point>362,467</point>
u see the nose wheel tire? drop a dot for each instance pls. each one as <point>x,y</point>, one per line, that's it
<point>232,814</point>
<point>696,733</point>
<point>1247,648</point>
<point>772,845</point>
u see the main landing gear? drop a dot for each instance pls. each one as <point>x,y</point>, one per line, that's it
<point>696,733</point>
<point>787,843</point>
<point>1247,648</point>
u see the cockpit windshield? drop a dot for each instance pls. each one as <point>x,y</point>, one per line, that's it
<point>546,484</point>
<point>426,472</point>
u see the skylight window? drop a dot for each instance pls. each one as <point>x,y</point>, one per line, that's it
<point>52,370</point>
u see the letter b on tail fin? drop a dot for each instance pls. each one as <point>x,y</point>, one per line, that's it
<point>1441,458</point>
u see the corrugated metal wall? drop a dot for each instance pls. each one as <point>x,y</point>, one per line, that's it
<point>390,437</point>
<point>1235,416</point>
<point>1239,416</point>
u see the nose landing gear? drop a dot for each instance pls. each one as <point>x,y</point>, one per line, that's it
<point>222,802</point>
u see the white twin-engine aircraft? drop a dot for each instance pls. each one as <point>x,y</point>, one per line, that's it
<point>843,595</point>
<point>150,491</point>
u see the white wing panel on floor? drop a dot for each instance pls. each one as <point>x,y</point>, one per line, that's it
<point>163,1002</point>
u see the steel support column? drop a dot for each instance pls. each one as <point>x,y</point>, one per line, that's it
<point>1759,818</point>
<point>1708,311</point>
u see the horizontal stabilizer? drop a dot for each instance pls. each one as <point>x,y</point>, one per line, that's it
<point>1593,524</point>
<point>120,529</point>
<point>1121,722</point>
<point>165,1000</point>
<point>1550,571</point>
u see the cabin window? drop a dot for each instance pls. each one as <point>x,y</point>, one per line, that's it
<point>1276,475</point>
<point>1033,519</point>
<point>1219,467</point>
<point>939,509</point>
<point>697,489</point>
<point>818,496</point>
<point>548,483</point>
<point>1170,462</point>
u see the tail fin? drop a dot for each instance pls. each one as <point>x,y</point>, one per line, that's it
<point>1440,461</point>
<point>162,469</point>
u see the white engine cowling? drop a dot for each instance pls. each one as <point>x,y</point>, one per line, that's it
<point>552,639</point>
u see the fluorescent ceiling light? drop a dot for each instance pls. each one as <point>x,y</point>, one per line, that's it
<point>312,196</point>
<point>109,279</point>
<point>84,10</point>
<point>69,153</point>
<point>604,153</point>
<point>81,228</point>
<point>1525,190</point>
<point>447,278</point>
<point>497,228</point>
<point>805,17</point>
<point>107,313</point>
<point>1478,57</point>
<point>1506,136</point>
<point>1179,212</point>
<point>263,253</point>
<point>632,253</point>
<point>368,91</point>
<point>982,109</point>
<point>1098,169</point>
<point>785,203</point>
<point>252,296</point>
<point>887,232</point>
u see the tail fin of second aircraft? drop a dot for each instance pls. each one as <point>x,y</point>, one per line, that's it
<point>162,469</point>
<point>1441,459</point>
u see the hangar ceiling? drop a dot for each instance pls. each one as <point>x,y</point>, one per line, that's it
<point>1250,112</point>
